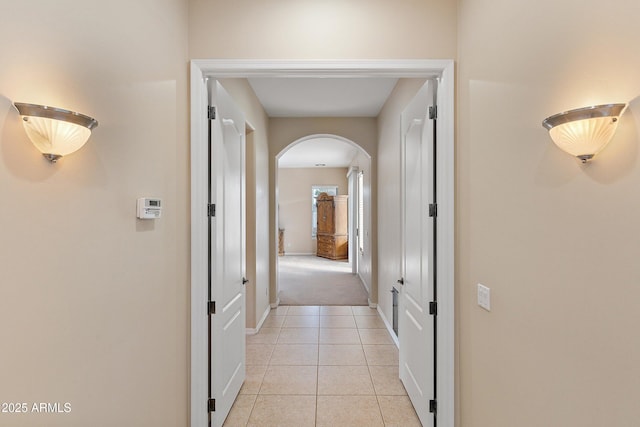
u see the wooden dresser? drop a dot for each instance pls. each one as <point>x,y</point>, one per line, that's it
<point>332,235</point>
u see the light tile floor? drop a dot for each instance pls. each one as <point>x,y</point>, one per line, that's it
<point>322,366</point>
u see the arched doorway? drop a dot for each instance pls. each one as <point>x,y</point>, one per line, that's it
<point>331,163</point>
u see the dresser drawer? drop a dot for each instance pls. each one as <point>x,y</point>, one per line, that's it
<point>325,246</point>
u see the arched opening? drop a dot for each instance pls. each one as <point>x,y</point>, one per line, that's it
<point>304,168</point>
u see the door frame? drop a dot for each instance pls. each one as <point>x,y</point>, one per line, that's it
<point>443,71</point>
<point>352,191</point>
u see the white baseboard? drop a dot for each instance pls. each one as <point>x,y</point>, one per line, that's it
<point>298,254</point>
<point>389,327</point>
<point>372,304</point>
<point>364,282</point>
<point>275,304</point>
<point>253,331</point>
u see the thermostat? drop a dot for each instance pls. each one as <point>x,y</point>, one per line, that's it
<point>149,208</point>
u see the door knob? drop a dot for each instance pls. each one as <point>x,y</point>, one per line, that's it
<point>244,281</point>
<point>401,281</point>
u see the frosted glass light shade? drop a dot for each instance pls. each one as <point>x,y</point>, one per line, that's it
<point>584,132</point>
<point>54,131</point>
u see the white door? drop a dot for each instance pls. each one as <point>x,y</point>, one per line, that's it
<point>227,252</point>
<point>416,324</point>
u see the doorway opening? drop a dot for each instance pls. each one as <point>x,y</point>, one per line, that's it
<point>324,246</point>
<point>443,72</point>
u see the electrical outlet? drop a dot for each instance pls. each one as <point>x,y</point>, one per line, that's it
<point>484,297</point>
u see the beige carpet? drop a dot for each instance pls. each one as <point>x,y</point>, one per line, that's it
<point>311,280</point>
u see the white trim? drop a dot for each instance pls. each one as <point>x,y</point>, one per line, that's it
<point>275,304</point>
<point>445,185</point>
<point>352,184</point>
<point>199,258</point>
<point>352,170</point>
<point>364,283</point>
<point>298,253</point>
<point>444,71</point>
<point>221,68</point>
<point>389,327</point>
<point>320,136</point>
<point>263,318</point>
<point>253,331</point>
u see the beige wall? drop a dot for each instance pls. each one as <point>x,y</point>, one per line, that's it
<point>104,296</point>
<point>331,29</point>
<point>94,303</point>
<point>257,188</point>
<point>285,131</point>
<point>557,242</point>
<point>294,203</point>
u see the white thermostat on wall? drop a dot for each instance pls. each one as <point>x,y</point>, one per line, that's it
<point>149,208</point>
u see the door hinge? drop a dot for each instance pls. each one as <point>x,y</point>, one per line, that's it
<point>433,308</point>
<point>433,406</point>
<point>211,405</point>
<point>433,112</point>
<point>211,209</point>
<point>211,112</point>
<point>433,209</point>
<point>211,307</point>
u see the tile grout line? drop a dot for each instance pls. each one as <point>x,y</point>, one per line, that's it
<point>373,385</point>
<point>318,343</point>
<point>251,411</point>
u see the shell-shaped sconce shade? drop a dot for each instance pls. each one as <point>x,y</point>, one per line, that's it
<point>55,132</point>
<point>584,132</point>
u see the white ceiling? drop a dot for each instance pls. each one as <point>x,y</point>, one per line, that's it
<point>330,152</point>
<point>321,97</point>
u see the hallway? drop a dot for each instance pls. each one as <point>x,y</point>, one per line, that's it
<point>322,366</point>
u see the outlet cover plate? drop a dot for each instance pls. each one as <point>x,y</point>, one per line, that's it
<point>484,297</point>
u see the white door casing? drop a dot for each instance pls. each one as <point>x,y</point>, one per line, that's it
<point>443,71</point>
<point>199,249</point>
<point>227,343</point>
<point>416,324</point>
<point>352,177</point>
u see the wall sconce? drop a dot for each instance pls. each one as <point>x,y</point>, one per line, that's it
<point>584,132</point>
<point>54,131</point>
